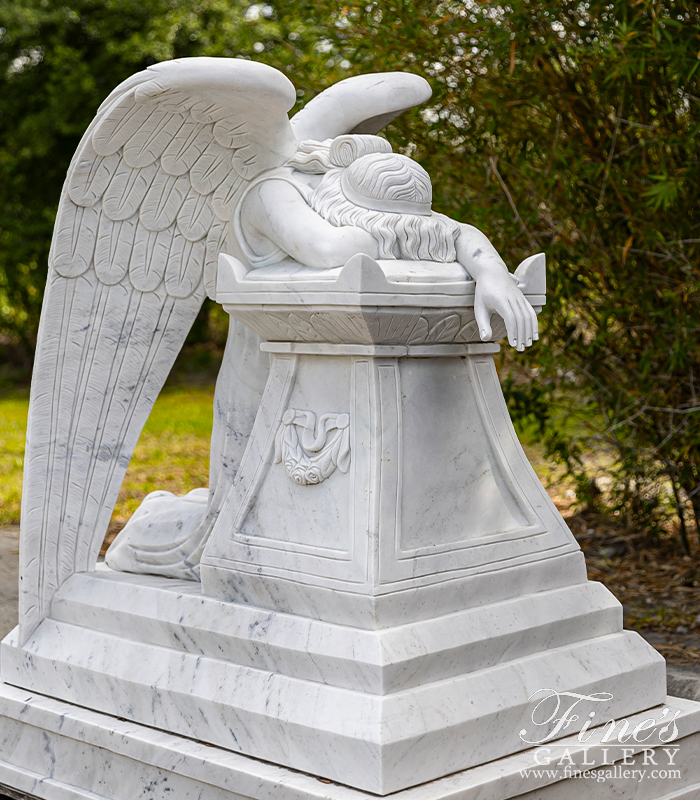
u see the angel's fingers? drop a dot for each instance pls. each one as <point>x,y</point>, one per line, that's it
<point>529,319</point>
<point>528,316</point>
<point>511,324</point>
<point>525,337</point>
<point>520,324</point>
<point>537,325</point>
<point>533,322</point>
<point>483,319</point>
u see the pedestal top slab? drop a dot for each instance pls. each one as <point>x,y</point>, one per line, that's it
<point>362,279</point>
<point>365,301</point>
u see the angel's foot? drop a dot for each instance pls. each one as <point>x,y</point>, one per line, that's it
<point>159,536</point>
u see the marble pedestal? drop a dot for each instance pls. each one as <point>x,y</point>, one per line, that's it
<point>385,590</point>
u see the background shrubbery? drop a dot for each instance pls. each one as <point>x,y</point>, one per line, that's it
<point>567,127</point>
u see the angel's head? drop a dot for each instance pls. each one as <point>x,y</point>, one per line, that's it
<point>390,196</point>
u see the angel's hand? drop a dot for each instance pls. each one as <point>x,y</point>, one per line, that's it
<point>499,294</point>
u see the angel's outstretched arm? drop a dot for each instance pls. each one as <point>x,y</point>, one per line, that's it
<point>496,290</point>
<point>276,210</point>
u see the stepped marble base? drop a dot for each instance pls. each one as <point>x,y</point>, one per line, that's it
<point>57,751</point>
<point>377,710</point>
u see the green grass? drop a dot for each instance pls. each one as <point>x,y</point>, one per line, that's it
<point>172,453</point>
<point>13,428</point>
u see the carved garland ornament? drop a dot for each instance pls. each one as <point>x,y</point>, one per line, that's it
<point>310,457</point>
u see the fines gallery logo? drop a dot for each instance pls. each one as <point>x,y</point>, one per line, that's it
<point>557,711</point>
<point>638,749</point>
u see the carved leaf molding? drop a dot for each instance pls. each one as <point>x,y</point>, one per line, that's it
<point>310,452</point>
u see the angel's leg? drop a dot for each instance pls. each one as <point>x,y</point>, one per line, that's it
<point>167,534</point>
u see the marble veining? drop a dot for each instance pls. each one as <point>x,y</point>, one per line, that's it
<point>99,754</point>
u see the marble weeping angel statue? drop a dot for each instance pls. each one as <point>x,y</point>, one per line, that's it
<point>184,161</point>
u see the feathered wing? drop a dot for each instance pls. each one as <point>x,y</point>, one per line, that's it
<point>142,219</point>
<point>361,104</point>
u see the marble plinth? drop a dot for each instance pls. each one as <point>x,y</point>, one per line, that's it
<point>58,751</point>
<point>380,710</point>
<point>383,481</point>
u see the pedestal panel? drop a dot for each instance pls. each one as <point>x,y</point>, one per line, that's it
<point>435,488</point>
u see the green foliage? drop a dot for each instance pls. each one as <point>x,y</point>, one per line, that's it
<point>532,406</point>
<point>573,128</point>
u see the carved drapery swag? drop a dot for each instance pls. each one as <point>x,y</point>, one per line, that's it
<point>311,455</point>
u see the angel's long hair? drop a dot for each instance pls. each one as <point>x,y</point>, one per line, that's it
<point>386,179</point>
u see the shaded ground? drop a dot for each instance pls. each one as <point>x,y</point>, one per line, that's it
<point>657,585</point>
<point>11,794</point>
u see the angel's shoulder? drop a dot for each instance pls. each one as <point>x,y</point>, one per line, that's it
<point>283,182</point>
<point>271,200</point>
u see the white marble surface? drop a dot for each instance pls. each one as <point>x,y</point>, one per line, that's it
<point>435,490</point>
<point>57,751</point>
<point>378,710</point>
<point>152,525</point>
<point>174,615</point>
<point>378,743</point>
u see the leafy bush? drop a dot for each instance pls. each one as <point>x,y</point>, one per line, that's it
<point>572,128</point>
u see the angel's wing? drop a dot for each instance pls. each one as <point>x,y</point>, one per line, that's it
<point>141,222</point>
<point>361,104</point>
